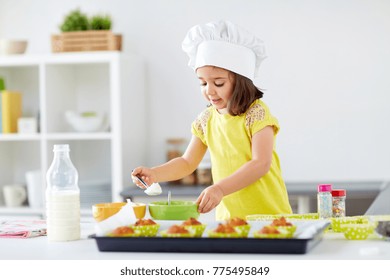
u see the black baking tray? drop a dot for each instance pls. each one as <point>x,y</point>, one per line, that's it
<point>248,245</point>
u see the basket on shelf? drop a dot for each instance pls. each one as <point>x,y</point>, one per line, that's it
<point>96,40</point>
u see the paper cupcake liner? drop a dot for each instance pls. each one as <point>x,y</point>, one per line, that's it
<point>336,223</point>
<point>288,230</point>
<point>146,231</point>
<point>243,231</point>
<point>196,230</point>
<point>164,233</point>
<point>271,235</point>
<point>357,231</point>
<point>214,234</point>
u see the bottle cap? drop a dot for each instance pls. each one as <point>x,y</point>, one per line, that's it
<point>324,188</point>
<point>61,148</point>
<point>340,192</point>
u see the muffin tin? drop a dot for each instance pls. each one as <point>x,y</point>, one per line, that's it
<point>306,236</point>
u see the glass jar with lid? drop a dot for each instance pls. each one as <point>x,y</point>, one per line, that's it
<point>324,201</point>
<point>338,203</point>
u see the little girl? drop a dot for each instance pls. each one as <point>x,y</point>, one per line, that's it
<point>237,128</point>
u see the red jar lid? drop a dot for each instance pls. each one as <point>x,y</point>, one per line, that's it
<point>339,192</point>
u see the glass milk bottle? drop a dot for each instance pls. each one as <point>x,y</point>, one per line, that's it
<point>62,197</point>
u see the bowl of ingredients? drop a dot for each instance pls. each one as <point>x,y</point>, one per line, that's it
<point>102,211</point>
<point>173,210</point>
<point>8,47</point>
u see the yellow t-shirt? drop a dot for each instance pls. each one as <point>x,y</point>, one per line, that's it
<point>229,140</point>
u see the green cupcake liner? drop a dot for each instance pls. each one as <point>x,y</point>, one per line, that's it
<point>357,231</point>
<point>164,233</point>
<point>266,217</point>
<point>243,230</point>
<point>336,223</point>
<point>288,230</point>
<point>146,231</point>
<point>196,230</point>
<point>262,217</point>
<point>214,234</point>
<point>271,235</point>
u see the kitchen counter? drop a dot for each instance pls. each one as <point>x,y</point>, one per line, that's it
<point>359,194</point>
<point>332,247</point>
<point>354,189</point>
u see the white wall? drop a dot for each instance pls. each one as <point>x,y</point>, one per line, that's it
<point>326,76</point>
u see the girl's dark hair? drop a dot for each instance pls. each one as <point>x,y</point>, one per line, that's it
<point>244,94</point>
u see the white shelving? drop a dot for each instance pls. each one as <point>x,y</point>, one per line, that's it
<point>106,82</point>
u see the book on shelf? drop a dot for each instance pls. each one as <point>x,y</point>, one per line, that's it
<point>11,110</point>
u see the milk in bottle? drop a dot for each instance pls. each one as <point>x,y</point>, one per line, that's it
<point>62,197</point>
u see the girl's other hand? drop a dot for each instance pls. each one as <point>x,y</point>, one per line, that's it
<point>209,198</point>
<point>145,174</point>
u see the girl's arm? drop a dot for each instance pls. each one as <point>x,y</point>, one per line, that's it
<point>176,168</point>
<point>259,165</point>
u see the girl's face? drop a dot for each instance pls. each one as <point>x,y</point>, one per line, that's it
<point>216,85</point>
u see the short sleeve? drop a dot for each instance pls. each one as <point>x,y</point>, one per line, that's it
<point>258,116</point>
<point>199,125</point>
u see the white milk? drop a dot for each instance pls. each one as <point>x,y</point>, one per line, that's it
<point>63,215</point>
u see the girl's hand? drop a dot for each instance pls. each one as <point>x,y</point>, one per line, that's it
<point>209,198</point>
<point>145,174</point>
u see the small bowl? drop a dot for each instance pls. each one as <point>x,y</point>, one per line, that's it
<point>85,122</point>
<point>8,47</point>
<point>102,211</point>
<point>177,210</point>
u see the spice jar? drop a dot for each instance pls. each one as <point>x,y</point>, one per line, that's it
<point>338,203</point>
<point>324,201</point>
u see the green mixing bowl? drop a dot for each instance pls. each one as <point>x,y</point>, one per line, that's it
<point>177,210</point>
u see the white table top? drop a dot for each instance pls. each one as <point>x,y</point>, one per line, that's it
<point>332,247</point>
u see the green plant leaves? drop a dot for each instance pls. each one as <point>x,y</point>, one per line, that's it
<point>78,21</point>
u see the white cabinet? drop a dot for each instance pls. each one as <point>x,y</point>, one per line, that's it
<point>106,82</point>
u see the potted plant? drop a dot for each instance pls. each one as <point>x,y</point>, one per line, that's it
<point>100,22</point>
<point>75,21</point>
<point>81,33</point>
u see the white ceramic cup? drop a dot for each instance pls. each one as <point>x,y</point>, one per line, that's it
<point>14,195</point>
